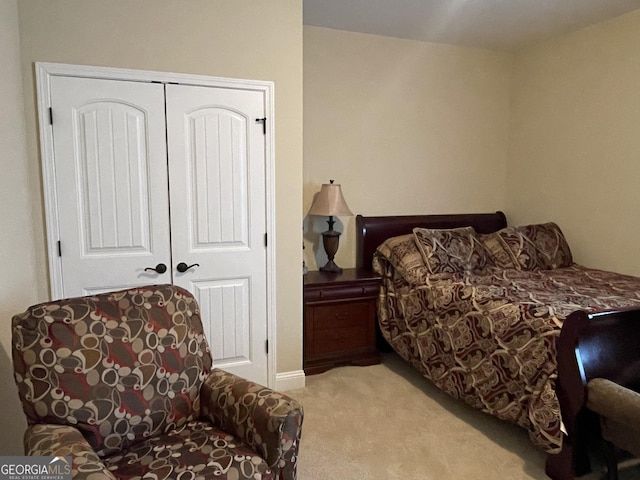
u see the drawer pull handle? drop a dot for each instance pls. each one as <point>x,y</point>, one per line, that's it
<point>342,316</point>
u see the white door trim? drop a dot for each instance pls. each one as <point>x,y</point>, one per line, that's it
<point>44,72</point>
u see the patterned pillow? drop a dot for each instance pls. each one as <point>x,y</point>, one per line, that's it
<point>455,250</point>
<point>403,254</point>
<point>499,254</point>
<point>530,247</point>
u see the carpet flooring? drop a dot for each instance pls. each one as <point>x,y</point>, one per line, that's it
<point>386,422</point>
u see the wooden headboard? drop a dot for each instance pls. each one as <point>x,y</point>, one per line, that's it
<point>372,231</point>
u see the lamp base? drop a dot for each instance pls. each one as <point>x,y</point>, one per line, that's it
<point>331,267</point>
<point>330,241</point>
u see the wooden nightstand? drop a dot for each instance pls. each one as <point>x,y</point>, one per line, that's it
<point>340,319</point>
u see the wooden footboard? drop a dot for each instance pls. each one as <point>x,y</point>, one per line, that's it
<point>605,345</point>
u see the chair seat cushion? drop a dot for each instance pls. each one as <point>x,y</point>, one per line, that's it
<point>195,450</point>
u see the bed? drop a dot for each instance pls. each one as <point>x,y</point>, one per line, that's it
<point>478,308</point>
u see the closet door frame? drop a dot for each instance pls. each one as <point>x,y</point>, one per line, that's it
<point>45,71</point>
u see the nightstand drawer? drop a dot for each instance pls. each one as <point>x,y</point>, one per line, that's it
<point>340,315</point>
<point>341,292</point>
<point>340,339</point>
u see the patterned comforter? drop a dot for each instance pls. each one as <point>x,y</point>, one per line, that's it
<point>488,336</point>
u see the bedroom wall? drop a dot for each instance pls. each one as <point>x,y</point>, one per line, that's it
<point>575,141</point>
<point>257,39</point>
<point>17,240</point>
<point>405,127</point>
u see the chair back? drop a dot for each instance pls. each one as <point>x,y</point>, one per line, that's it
<point>120,366</point>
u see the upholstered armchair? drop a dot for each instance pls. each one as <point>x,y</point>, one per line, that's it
<point>618,409</point>
<point>123,383</point>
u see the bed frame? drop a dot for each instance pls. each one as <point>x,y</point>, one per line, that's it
<point>372,231</point>
<point>591,345</point>
<point>608,342</point>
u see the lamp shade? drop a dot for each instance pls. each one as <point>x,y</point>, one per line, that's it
<point>329,201</point>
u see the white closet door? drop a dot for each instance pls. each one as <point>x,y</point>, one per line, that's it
<point>110,183</point>
<point>218,219</point>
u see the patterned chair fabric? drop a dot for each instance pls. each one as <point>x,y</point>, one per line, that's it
<point>123,382</point>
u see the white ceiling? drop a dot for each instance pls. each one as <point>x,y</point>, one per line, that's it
<point>506,25</point>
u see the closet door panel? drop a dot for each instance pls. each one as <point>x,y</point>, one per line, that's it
<point>111,183</point>
<point>218,219</point>
<point>218,162</point>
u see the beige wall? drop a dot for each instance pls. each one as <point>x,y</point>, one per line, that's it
<point>405,127</point>
<point>17,213</point>
<point>256,39</point>
<point>575,141</point>
<point>551,133</point>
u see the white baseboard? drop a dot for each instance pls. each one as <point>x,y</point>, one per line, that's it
<point>290,380</point>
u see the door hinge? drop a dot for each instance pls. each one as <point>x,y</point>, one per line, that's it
<point>59,248</point>
<point>263,121</point>
<point>266,242</point>
<point>266,345</point>
<point>50,116</point>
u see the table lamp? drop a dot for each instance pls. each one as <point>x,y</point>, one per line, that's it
<point>330,202</point>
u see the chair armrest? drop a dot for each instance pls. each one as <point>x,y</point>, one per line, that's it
<point>268,421</point>
<point>614,402</point>
<point>62,440</point>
